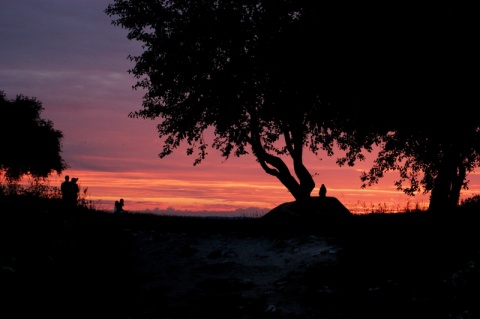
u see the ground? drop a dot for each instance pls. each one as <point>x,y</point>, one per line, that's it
<point>190,275</point>
<point>95,264</point>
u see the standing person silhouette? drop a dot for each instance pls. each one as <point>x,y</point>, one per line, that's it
<point>118,208</point>
<point>65,189</point>
<point>115,206</point>
<point>75,190</point>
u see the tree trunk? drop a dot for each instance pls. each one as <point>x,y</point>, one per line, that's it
<point>447,185</point>
<point>275,166</point>
<point>300,190</point>
<point>293,133</point>
<point>457,185</point>
<point>307,184</point>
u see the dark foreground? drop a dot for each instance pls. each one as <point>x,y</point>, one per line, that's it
<point>85,264</point>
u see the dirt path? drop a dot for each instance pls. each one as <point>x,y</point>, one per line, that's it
<point>186,276</point>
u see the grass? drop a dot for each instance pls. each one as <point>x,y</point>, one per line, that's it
<point>405,265</point>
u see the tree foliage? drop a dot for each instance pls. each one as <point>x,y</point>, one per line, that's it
<point>276,77</point>
<point>432,154</point>
<point>271,78</point>
<point>30,144</point>
<point>432,135</point>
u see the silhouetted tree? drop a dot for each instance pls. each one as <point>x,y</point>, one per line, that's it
<point>431,135</point>
<point>271,75</point>
<point>30,144</point>
<point>433,154</point>
<point>281,76</point>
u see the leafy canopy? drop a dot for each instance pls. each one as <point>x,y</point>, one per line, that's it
<point>276,76</point>
<point>242,66</point>
<point>30,144</point>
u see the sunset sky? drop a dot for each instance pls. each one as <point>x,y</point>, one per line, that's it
<point>69,56</point>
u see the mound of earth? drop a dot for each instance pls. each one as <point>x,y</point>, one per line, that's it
<point>324,209</point>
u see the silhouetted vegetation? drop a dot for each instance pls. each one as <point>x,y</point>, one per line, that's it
<point>255,74</point>
<point>30,144</point>
<point>431,156</point>
<point>281,77</point>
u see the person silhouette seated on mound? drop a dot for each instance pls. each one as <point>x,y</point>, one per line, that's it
<point>118,208</point>
<point>323,191</point>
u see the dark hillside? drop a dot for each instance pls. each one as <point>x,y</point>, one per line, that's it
<point>406,265</point>
<point>80,264</point>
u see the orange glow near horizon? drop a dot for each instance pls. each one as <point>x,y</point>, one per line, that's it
<point>238,186</point>
<point>144,192</point>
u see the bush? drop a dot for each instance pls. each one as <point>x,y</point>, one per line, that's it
<point>471,203</point>
<point>37,195</point>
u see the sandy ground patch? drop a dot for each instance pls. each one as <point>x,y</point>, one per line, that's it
<point>254,270</point>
